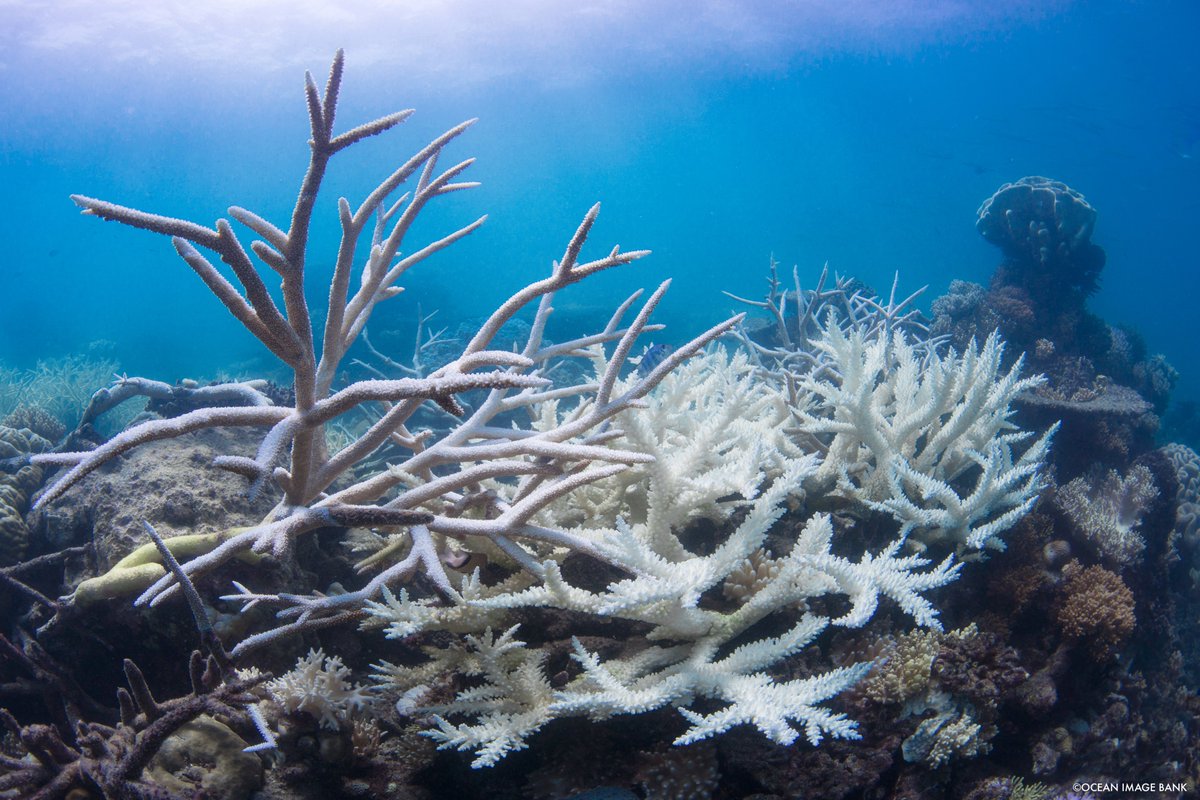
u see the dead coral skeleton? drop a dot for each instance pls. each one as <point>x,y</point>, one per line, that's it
<point>111,759</point>
<point>435,492</point>
<point>799,318</point>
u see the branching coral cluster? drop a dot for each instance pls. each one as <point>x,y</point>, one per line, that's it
<point>319,686</point>
<point>674,589</point>
<point>612,470</point>
<point>435,489</point>
<point>693,654</point>
<point>113,759</point>
<point>924,437</point>
<point>786,348</point>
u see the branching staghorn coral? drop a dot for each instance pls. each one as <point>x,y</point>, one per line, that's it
<point>494,483</point>
<point>59,386</point>
<point>695,424</point>
<point>720,442</point>
<point>717,435</point>
<point>112,760</point>
<point>696,646</point>
<point>239,393</point>
<point>800,316</point>
<point>924,437</point>
<point>436,489</point>
<point>905,428</point>
<point>691,651</point>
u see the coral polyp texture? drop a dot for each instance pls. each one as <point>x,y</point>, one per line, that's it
<point>1108,509</point>
<point>15,489</point>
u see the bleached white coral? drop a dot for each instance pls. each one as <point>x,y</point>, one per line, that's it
<point>750,694</point>
<point>903,433</point>
<point>947,736</point>
<point>320,685</point>
<point>512,703</point>
<point>511,697</point>
<point>925,437</point>
<point>721,443</point>
<point>716,435</point>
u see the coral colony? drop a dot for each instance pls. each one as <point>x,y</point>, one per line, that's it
<point>751,530</point>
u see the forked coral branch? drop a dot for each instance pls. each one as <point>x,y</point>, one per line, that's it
<point>435,483</point>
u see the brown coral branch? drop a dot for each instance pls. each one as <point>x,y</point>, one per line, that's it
<point>110,760</point>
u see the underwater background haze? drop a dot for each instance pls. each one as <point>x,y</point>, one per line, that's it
<point>865,134</point>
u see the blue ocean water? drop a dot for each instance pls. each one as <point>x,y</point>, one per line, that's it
<point>862,134</point>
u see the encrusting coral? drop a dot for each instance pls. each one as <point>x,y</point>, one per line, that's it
<point>956,677</point>
<point>531,478</point>
<point>135,572</point>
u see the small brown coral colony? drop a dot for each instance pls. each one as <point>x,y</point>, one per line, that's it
<point>1097,607</point>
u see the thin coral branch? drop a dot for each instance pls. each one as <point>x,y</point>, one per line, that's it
<point>84,463</point>
<point>208,636</point>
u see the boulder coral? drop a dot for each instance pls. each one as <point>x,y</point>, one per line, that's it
<point>1186,534</point>
<point>1044,228</point>
<point>15,490</point>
